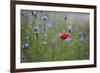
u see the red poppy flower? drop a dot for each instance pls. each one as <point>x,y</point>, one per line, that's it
<point>63,35</point>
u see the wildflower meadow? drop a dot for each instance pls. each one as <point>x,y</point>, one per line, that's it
<point>54,36</point>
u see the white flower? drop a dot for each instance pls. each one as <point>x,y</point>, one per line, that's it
<point>44,18</point>
<point>34,12</point>
<point>36,33</point>
<point>44,43</point>
<point>44,35</point>
<point>44,29</point>
<point>27,37</point>
<point>68,39</point>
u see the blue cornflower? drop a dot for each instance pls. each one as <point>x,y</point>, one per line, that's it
<point>65,17</point>
<point>44,18</point>
<point>36,31</point>
<point>81,33</point>
<point>34,13</point>
<point>82,39</point>
<point>69,29</point>
<point>84,33</point>
<point>25,46</point>
<point>39,24</point>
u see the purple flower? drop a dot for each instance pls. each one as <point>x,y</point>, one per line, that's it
<point>34,13</point>
<point>49,25</point>
<point>36,31</point>
<point>44,18</point>
<point>69,29</point>
<point>65,17</point>
<point>25,46</point>
<point>84,33</point>
<point>81,33</point>
<point>82,39</point>
<point>40,24</point>
<point>68,39</point>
